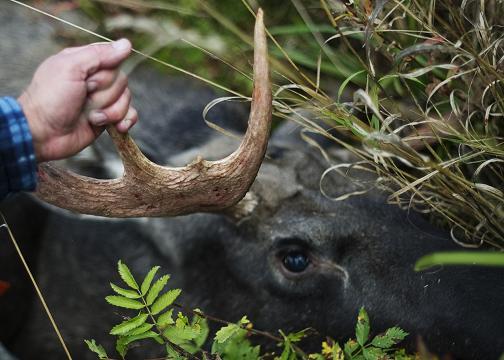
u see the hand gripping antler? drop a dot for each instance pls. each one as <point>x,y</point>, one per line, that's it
<point>147,189</point>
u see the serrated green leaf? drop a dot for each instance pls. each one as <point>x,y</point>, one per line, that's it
<point>159,340</point>
<point>362,327</point>
<point>401,355</point>
<point>130,294</point>
<point>297,336</point>
<point>156,289</point>
<point>392,336</point>
<point>123,341</point>
<point>129,325</point>
<point>182,320</point>
<point>140,330</point>
<point>231,330</point>
<point>382,342</point>
<point>237,347</point>
<point>172,354</point>
<point>371,353</point>
<point>179,335</point>
<point>164,301</point>
<point>337,352</point>
<point>190,347</point>
<point>287,354</point>
<point>125,274</point>
<point>148,279</point>
<point>204,330</point>
<point>121,347</point>
<point>123,302</point>
<point>96,348</point>
<point>244,321</point>
<point>166,319</point>
<point>147,335</point>
<point>350,347</point>
<point>226,332</point>
<point>183,331</point>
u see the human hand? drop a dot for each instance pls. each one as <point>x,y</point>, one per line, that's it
<point>73,94</point>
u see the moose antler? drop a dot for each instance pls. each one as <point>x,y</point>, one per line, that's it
<point>147,189</point>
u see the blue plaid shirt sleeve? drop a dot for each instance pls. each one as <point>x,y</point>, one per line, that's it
<point>18,166</point>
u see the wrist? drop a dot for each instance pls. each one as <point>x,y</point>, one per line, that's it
<point>30,111</point>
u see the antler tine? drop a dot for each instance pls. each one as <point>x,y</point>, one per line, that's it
<point>147,189</point>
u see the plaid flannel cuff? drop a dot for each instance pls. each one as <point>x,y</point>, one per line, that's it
<point>18,166</point>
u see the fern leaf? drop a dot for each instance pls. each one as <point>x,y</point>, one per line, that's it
<point>148,279</point>
<point>165,300</point>
<point>128,325</point>
<point>123,302</point>
<point>125,274</point>
<point>156,289</point>
<point>130,294</point>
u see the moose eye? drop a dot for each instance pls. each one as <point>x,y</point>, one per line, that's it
<point>296,261</point>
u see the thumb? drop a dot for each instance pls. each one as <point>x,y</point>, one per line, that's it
<point>94,57</point>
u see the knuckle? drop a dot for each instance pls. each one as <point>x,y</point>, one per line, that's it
<point>113,113</point>
<point>104,78</point>
<point>117,111</point>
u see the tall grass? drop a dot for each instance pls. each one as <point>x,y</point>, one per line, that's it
<point>415,89</point>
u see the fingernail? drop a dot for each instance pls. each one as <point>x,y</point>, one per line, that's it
<point>121,45</point>
<point>91,86</point>
<point>97,118</point>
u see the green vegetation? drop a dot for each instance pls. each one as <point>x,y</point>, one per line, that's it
<point>158,318</point>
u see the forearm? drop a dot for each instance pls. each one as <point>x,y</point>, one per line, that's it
<point>18,166</point>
